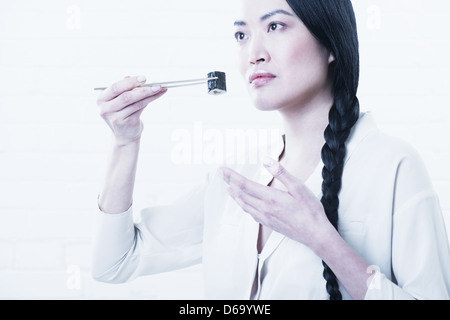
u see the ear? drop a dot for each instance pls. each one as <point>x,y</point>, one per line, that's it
<point>331,58</point>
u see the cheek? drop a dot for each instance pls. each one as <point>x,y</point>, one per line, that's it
<point>242,61</point>
<point>300,54</point>
<point>307,61</point>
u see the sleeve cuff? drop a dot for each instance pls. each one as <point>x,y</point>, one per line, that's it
<point>114,236</point>
<point>381,288</point>
<point>102,213</point>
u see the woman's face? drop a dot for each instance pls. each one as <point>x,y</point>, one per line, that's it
<point>282,63</point>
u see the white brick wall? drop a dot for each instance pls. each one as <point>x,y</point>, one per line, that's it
<point>53,145</point>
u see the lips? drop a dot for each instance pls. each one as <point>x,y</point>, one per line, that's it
<point>261,78</point>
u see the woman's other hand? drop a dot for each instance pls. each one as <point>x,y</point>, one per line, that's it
<point>297,213</point>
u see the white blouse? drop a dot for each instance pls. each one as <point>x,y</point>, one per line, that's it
<point>389,213</point>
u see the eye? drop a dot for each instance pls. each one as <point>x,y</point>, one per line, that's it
<point>274,26</point>
<point>240,36</point>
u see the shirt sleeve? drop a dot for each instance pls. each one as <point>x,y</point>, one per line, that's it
<point>162,239</point>
<point>420,246</point>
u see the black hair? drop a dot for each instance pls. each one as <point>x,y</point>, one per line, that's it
<point>333,24</point>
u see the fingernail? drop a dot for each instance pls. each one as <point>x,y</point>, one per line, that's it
<point>268,162</point>
<point>156,88</point>
<point>141,79</point>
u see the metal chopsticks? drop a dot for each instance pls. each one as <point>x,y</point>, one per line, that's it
<point>172,84</point>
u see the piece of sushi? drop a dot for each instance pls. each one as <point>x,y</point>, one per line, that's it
<point>219,85</point>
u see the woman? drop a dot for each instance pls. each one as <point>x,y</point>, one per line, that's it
<point>349,214</point>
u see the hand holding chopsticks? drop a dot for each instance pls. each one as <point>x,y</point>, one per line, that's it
<point>173,84</point>
<point>216,83</point>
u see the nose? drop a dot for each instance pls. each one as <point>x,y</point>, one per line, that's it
<point>258,52</point>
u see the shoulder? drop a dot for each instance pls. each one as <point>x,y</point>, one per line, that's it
<point>368,141</point>
<point>383,173</point>
<point>378,156</point>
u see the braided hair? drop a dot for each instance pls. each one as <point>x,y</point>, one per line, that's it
<point>333,24</point>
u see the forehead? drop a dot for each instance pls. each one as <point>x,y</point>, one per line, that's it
<point>255,9</point>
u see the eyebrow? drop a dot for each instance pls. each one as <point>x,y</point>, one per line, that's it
<point>265,17</point>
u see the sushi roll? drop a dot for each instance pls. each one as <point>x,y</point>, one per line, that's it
<point>219,85</point>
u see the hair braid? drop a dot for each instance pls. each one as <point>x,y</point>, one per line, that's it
<point>342,117</point>
<point>333,23</point>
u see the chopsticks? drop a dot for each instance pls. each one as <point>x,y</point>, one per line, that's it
<point>173,84</point>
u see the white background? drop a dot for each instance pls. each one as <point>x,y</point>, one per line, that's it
<point>54,146</point>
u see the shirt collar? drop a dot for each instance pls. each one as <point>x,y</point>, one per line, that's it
<point>363,127</point>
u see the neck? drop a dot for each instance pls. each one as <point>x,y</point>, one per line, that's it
<point>304,128</point>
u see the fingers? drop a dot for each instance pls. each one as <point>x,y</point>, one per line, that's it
<point>248,203</point>
<point>263,203</point>
<point>293,184</point>
<point>253,197</point>
<point>129,117</point>
<point>126,92</point>
<point>138,106</point>
<point>239,182</point>
<point>131,97</point>
<point>116,89</point>
<point>295,213</point>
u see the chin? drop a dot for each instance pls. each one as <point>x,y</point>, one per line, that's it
<point>267,103</point>
<point>264,102</point>
<point>264,105</point>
